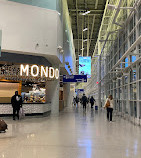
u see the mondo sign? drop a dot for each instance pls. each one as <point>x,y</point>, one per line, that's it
<point>36,71</point>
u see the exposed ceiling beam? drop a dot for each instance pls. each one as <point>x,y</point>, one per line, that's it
<point>81,39</point>
<point>92,31</point>
<point>77,24</point>
<point>90,14</point>
<point>96,4</point>
<point>83,10</point>
<point>88,32</point>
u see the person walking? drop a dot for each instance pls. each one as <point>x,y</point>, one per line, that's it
<point>109,104</point>
<point>77,101</point>
<point>74,103</point>
<point>84,101</point>
<point>92,100</point>
<point>16,102</point>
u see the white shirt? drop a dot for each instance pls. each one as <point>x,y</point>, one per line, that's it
<point>17,98</point>
<point>111,103</point>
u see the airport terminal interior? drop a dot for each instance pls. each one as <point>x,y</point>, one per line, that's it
<point>70,78</point>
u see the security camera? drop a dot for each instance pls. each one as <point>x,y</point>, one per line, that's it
<point>59,47</point>
<point>62,51</point>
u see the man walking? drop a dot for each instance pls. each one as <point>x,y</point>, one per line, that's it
<point>84,101</point>
<point>92,100</point>
<point>16,102</point>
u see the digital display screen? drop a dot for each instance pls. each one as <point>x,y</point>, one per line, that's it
<point>85,66</point>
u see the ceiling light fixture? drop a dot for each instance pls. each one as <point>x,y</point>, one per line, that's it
<point>82,48</point>
<point>87,12</point>
<point>85,29</point>
<point>85,40</point>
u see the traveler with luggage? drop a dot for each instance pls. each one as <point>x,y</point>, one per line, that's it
<point>92,100</point>
<point>16,102</point>
<point>109,104</point>
<point>84,101</point>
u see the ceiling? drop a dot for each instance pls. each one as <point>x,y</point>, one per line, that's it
<point>92,21</point>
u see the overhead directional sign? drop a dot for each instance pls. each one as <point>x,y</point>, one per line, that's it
<point>74,78</point>
<point>79,90</point>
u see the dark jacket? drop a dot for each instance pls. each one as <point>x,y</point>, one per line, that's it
<point>92,100</point>
<point>16,104</point>
<point>76,99</point>
<point>84,99</point>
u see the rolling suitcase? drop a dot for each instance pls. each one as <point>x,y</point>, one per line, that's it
<point>96,107</point>
<point>3,126</point>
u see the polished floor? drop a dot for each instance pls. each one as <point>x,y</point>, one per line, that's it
<point>74,134</point>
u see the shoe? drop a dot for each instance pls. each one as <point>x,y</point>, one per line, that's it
<point>13,118</point>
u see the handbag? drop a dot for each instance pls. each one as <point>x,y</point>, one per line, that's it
<point>107,103</point>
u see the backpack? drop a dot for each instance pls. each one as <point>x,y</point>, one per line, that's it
<point>3,126</point>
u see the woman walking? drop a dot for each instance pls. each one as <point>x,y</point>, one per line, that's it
<point>109,104</point>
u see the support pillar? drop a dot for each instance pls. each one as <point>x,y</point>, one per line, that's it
<point>99,79</point>
<point>52,95</point>
<point>67,95</point>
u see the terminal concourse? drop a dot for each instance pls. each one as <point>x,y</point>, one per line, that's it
<point>70,78</point>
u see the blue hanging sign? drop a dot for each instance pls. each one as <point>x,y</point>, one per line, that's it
<point>79,90</point>
<point>74,78</point>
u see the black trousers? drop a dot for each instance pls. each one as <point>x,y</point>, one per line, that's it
<point>16,112</point>
<point>92,105</point>
<point>109,114</point>
<point>84,106</point>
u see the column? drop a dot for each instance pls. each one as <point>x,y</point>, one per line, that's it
<point>67,95</point>
<point>99,80</point>
<point>52,95</point>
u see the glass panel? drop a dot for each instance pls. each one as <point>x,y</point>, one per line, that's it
<point>133,58</point>
<point>140,90</point>
<point>134,75</point>
<point>131,108</point>
<point>139,29</point>
<point>131,91</point>
<point>135,109</point>
<point>132,38</point>
<point>140,72</point>
<point>124,106</point>
<point>139,48</point>
<point>139,11</point>
<point>126,62</point>
<point>126,79</point>
<point>140,110</point>
<point>131,25</point>
<point>134,91</point>
<point>33,93</point>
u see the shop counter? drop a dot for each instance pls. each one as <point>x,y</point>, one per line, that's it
<point>29,109</point>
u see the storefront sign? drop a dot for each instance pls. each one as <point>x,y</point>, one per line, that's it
<point>74,78</point>
<point>39,71</point>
